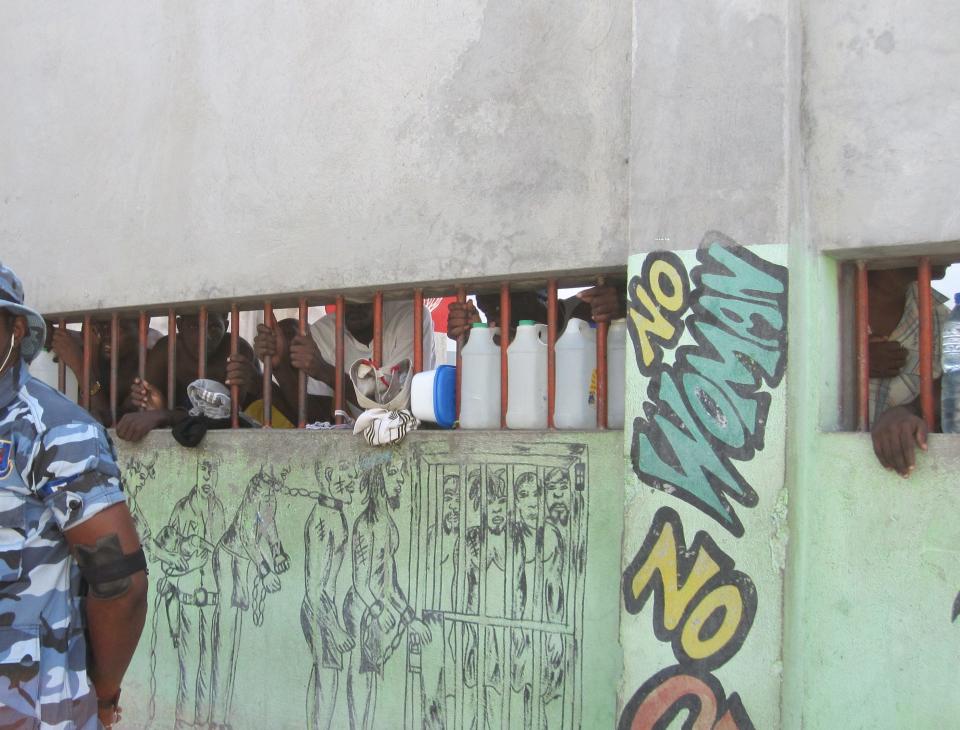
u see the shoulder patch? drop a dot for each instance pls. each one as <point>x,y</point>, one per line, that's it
<point>6,458</point>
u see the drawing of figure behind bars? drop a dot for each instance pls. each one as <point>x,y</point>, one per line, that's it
<point>375,609</point>
<point>248,559</point>
<point>136,473</point>
<point>492,532</point>
<point>326,539</point>
<point>538,591</point>
<point>187,591</point>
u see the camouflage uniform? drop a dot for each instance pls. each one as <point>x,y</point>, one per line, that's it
<point>57,469</point>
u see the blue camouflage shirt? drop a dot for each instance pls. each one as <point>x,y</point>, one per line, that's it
<point>57,469</point>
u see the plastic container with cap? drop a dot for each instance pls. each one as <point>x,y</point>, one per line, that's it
<point>433,396</point>
<point>527,377</point>
<point>480,379</point>
<point>576,401</point>
<point>616,373</point>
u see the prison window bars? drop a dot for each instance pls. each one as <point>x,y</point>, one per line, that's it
<point>339,398</point>
<point>862,316</point>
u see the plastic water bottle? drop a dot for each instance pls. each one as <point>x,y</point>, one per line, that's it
<point>480,381</point>
<point>950,385</point>
<point>527,377</point>
<point>616,373</point>
<point>576,349</point>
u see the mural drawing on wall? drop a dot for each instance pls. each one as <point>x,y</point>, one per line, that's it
<point>464,571</point>
<point>723,324</point>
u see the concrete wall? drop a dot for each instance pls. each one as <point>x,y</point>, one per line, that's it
<point>269,552</point>
<point>214,151</point>
<point>880,121</point>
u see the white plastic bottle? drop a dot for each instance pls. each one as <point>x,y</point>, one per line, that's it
<point>616,373</point>
<point>480,380</point>
<point>950,359</point>
<point>527,377</point>
<point>576,351</point>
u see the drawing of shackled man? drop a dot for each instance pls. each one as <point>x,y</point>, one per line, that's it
<point>375,609</point>
<point>326,540</point>
<point>248,559</point>
<point>188,590</point>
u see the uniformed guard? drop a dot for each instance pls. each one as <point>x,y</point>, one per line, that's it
<point>72,573</point>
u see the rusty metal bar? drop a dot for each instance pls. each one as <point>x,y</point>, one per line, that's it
<point>61,365</point>
<point>925,302</point>
<point>142,346</point>
<point>270,321</point>
<point>87,361</point>
<point>863,347</point>
<point>338,396</point>
<point>417,330</point>
<point>171,358</point>
<point>551,350</point>
<point>602,369</point>
<point>114,366</point>
<point>378,329</point>
<point>603,329</point>
<point>202,343</point>
<point>504,324</point>
<point>461,341</point>
<point>302,374</point>
<point>234,350</point>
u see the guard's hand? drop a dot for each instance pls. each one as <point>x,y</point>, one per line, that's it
<point>271,342</point>
<point>887,358</point>
<point>896,435</point>
<point>460,317</point>
<point>605,303</point>
<point>305,355</point>
<point>134,426</point>
<point>146,397</point>
<point>341,640</point>
<point>68,347</point>
<point>282,562</point>
<point>242,373</point>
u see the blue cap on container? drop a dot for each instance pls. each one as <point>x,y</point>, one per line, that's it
<point>445,395</point>
<point>956,298</point>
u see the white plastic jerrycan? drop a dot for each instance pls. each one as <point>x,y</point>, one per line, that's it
<point>527,377</point>
<point>480,379</point>
<point>576,350</point>
<point>616,373</point>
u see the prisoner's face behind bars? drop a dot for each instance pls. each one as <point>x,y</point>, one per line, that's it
<point>393,478</point>
<point>189,328</point>
<point>451,503</point>
<point>528,492</point>
<point>496,503</point>
<point>557,483</point>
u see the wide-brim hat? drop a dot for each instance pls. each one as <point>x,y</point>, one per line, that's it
<point>11,299</point>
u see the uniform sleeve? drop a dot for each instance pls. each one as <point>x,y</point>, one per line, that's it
<point>75,473</point>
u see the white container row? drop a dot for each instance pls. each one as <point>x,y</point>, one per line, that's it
<point>576,381</point>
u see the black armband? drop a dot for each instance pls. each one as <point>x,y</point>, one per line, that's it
<point>106,569</point>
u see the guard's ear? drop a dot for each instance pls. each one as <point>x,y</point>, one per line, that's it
<point>328,473</point>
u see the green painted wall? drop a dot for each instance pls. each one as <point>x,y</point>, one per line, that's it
<point>529,641</point>
<point>873,576</point>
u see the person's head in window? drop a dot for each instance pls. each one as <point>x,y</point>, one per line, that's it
<point>188,325</point>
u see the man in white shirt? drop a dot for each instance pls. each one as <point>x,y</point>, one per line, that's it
<point>316,353</point>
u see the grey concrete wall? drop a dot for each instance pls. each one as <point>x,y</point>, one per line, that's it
<point>212,150</point>
<point>881,122</point>
<point>709,128</point>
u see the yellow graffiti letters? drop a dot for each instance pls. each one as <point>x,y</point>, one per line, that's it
<point>701,604</point>
<point>658,298</point>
